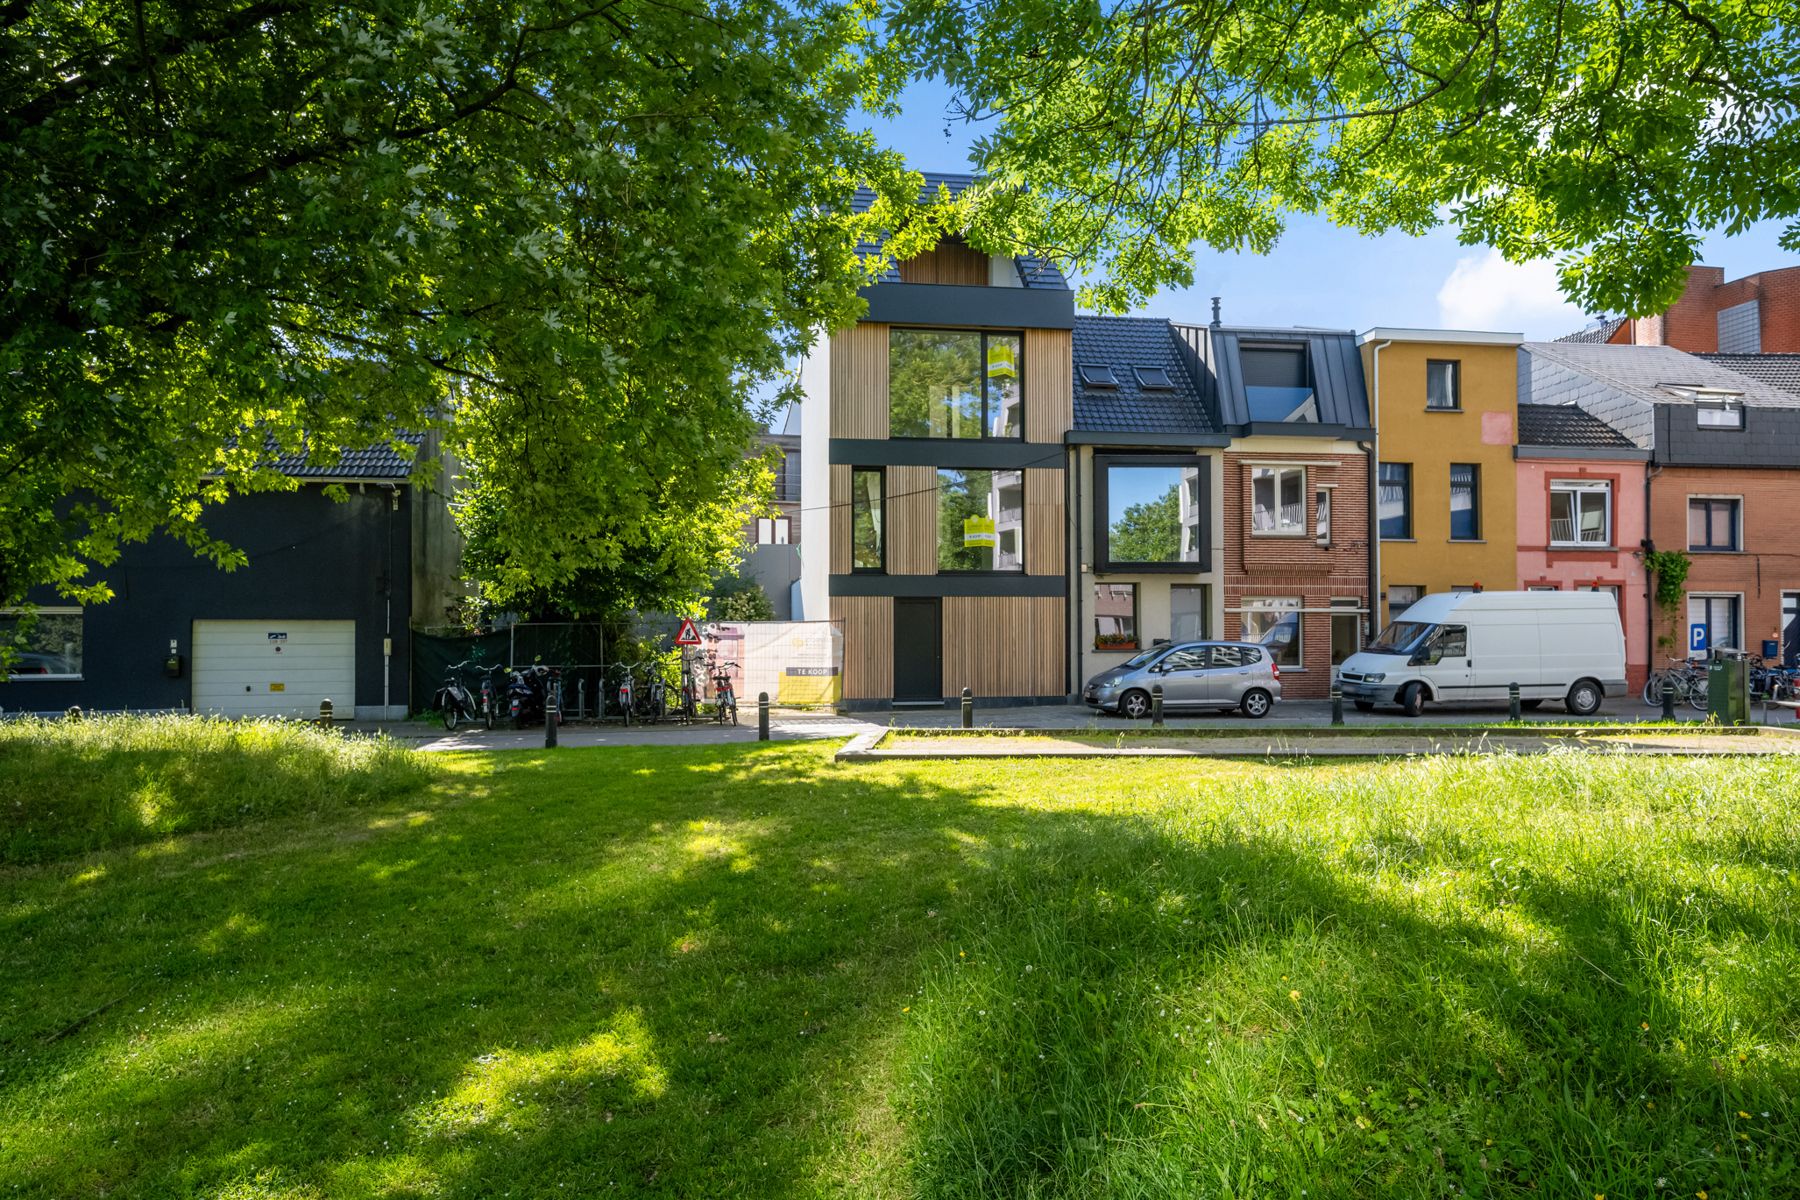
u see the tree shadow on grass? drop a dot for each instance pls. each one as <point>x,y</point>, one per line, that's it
<point>749,972</point>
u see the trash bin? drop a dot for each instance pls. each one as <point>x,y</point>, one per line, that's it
<point>1728,691</point>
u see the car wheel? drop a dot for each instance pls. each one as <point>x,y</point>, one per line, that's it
<point>1256,703</point>
<point>1364,705</point>
<point>1135,704</point>
<point>1412,699</point>
<point>1584,698</point>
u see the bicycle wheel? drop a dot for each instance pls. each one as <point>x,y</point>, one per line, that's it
<point>450,715</point>
<point>733,707</point>
<point>1696,693</point>
<point>1653,689</point>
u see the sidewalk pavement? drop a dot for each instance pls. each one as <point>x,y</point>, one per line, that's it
<point>795,725</point>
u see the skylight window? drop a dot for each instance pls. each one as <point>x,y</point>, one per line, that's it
<point>1096,376</point>
<point>1154,379</point>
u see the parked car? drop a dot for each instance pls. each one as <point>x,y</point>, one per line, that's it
<point>1468,647</point>
<point>1223,675</point>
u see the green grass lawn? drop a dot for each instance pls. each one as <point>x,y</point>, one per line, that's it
<point>749,971</point>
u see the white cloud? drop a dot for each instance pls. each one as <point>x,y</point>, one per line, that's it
<point>1484,291</point>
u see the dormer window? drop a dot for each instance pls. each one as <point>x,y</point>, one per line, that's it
<point>1154,379</point>
<point>1719,412</point>
<point>1096,376</point>
<point>1278,384</point>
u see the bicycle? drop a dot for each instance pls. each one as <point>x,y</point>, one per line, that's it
<point>724,695</point>
<point>689,702</point>
<point>625,695</point>
<point>1690,684</point>
<point>458,703</point>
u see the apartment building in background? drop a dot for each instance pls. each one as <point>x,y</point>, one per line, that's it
<point>773,558</point>
<point>1758,314</point>
<point>1446,408</point>
<point>1723,471</point>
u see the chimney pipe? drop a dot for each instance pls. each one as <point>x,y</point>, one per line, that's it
<point>1215,319</point>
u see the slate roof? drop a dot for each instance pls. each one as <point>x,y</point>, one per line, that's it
<point>376,462</point>
<point>1645,372</point>
<point>1567,425</point>
<point>1776,370</point>
<point>1123,343</point>
<point>1335,365</point>
<point>1034,272</point>
<point>1600,333</point>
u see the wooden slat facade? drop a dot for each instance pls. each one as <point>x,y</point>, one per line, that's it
<point>950,261</point>
<point>867,623</point>
<point>840,519</point>
<point>1004,645</point>
<point>859,382</point>
<point>912,520</point>
<point>1049,384</point>
<point>1044,522</point>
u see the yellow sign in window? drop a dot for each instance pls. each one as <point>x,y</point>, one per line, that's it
<point>979,531</point>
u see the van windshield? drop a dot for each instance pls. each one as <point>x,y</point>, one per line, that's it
<point>1401,637</point>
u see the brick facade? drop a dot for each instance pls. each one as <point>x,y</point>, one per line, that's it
<point>1692,322</point>
<point>1768,563</point>
<point>1269,566</point>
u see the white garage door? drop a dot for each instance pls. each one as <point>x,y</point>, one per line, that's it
<point>274,668</point>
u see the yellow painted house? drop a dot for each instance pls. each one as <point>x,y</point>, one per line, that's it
<point>1445,407</point>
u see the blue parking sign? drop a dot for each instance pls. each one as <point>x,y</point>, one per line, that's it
<point>1697,638</point>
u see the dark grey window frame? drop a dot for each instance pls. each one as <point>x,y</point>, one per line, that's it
<point>1455,365</point>
<point>881,538</point>
<point>1736,509</point>
<point>1474,501</point>
<point>984,334</point>
<point>1103,559</point>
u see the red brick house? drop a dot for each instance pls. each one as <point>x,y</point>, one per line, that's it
<point>1757,314</point>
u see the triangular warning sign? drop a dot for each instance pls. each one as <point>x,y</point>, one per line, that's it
<point>687,635</point>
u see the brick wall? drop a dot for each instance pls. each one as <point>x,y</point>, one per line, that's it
<point>1692,322</point>
<point>1770,561</point>
<point>1299,566</point>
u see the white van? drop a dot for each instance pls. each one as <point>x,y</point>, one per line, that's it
<point>1466,647</point>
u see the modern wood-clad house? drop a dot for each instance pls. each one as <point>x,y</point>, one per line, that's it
<point>943,548</point>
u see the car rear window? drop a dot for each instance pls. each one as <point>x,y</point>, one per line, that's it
<point>1235,656</point>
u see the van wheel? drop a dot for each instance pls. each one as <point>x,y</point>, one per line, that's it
<point>1412,699</point>
<point>1584,698</point>
<point>1364,705</point>
<point>1135,704</point>
<point>1256,703</point>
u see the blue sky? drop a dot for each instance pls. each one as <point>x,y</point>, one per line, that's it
<point>1322,275</point>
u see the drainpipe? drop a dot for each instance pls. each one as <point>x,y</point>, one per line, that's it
<point>1651,471</point>
<point>1075,625</point>
<point>1374,506</point>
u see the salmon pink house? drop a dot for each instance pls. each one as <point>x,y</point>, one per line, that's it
<point>1581,515</point>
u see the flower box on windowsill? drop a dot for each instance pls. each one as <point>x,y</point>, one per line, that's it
<point>1115,645</point>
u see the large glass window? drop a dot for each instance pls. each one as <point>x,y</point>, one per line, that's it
<point>1115,616</point>
<point>47,648</point>
<point>981,520</point>
<point>1278,384</point>
<point>1580,513</point>
<point>947,383</point>
<point>1153,513</point>
<point>867,525</point>
<point>1443,384</point>
<point>1278,501</point>
<point>1720,615</point>
<point>1274,621</point>
<point>772,531</point>
<point>1465,502</point>
<point>1393,503</point>
<point>1712,523</point>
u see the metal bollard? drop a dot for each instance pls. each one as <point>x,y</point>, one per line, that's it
<point>1668,699</point>
<point>1156,704</point>
<point>1513,711</point>
<point>1337,703</point>
<point>552,709</point>
<point>580,699</point>
<point>968,709</point>
<point>325,713</point>
<point>762,716</point>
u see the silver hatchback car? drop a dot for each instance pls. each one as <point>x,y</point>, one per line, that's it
<point>1222,675</point>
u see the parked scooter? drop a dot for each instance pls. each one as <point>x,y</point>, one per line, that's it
<point>527,690</point>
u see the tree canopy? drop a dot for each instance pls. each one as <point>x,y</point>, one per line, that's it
<point>579,233</point>
<point>1607,134</point>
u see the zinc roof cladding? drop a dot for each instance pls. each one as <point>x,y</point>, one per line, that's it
<point>1123,343</point>
<point>1034,272</point>
<point>1567,425</point>
<point>1598,334</point>
<point>1334,364</point>
<point>1776,370</point>
<point>1647,372</point>
<point>374,462</point>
